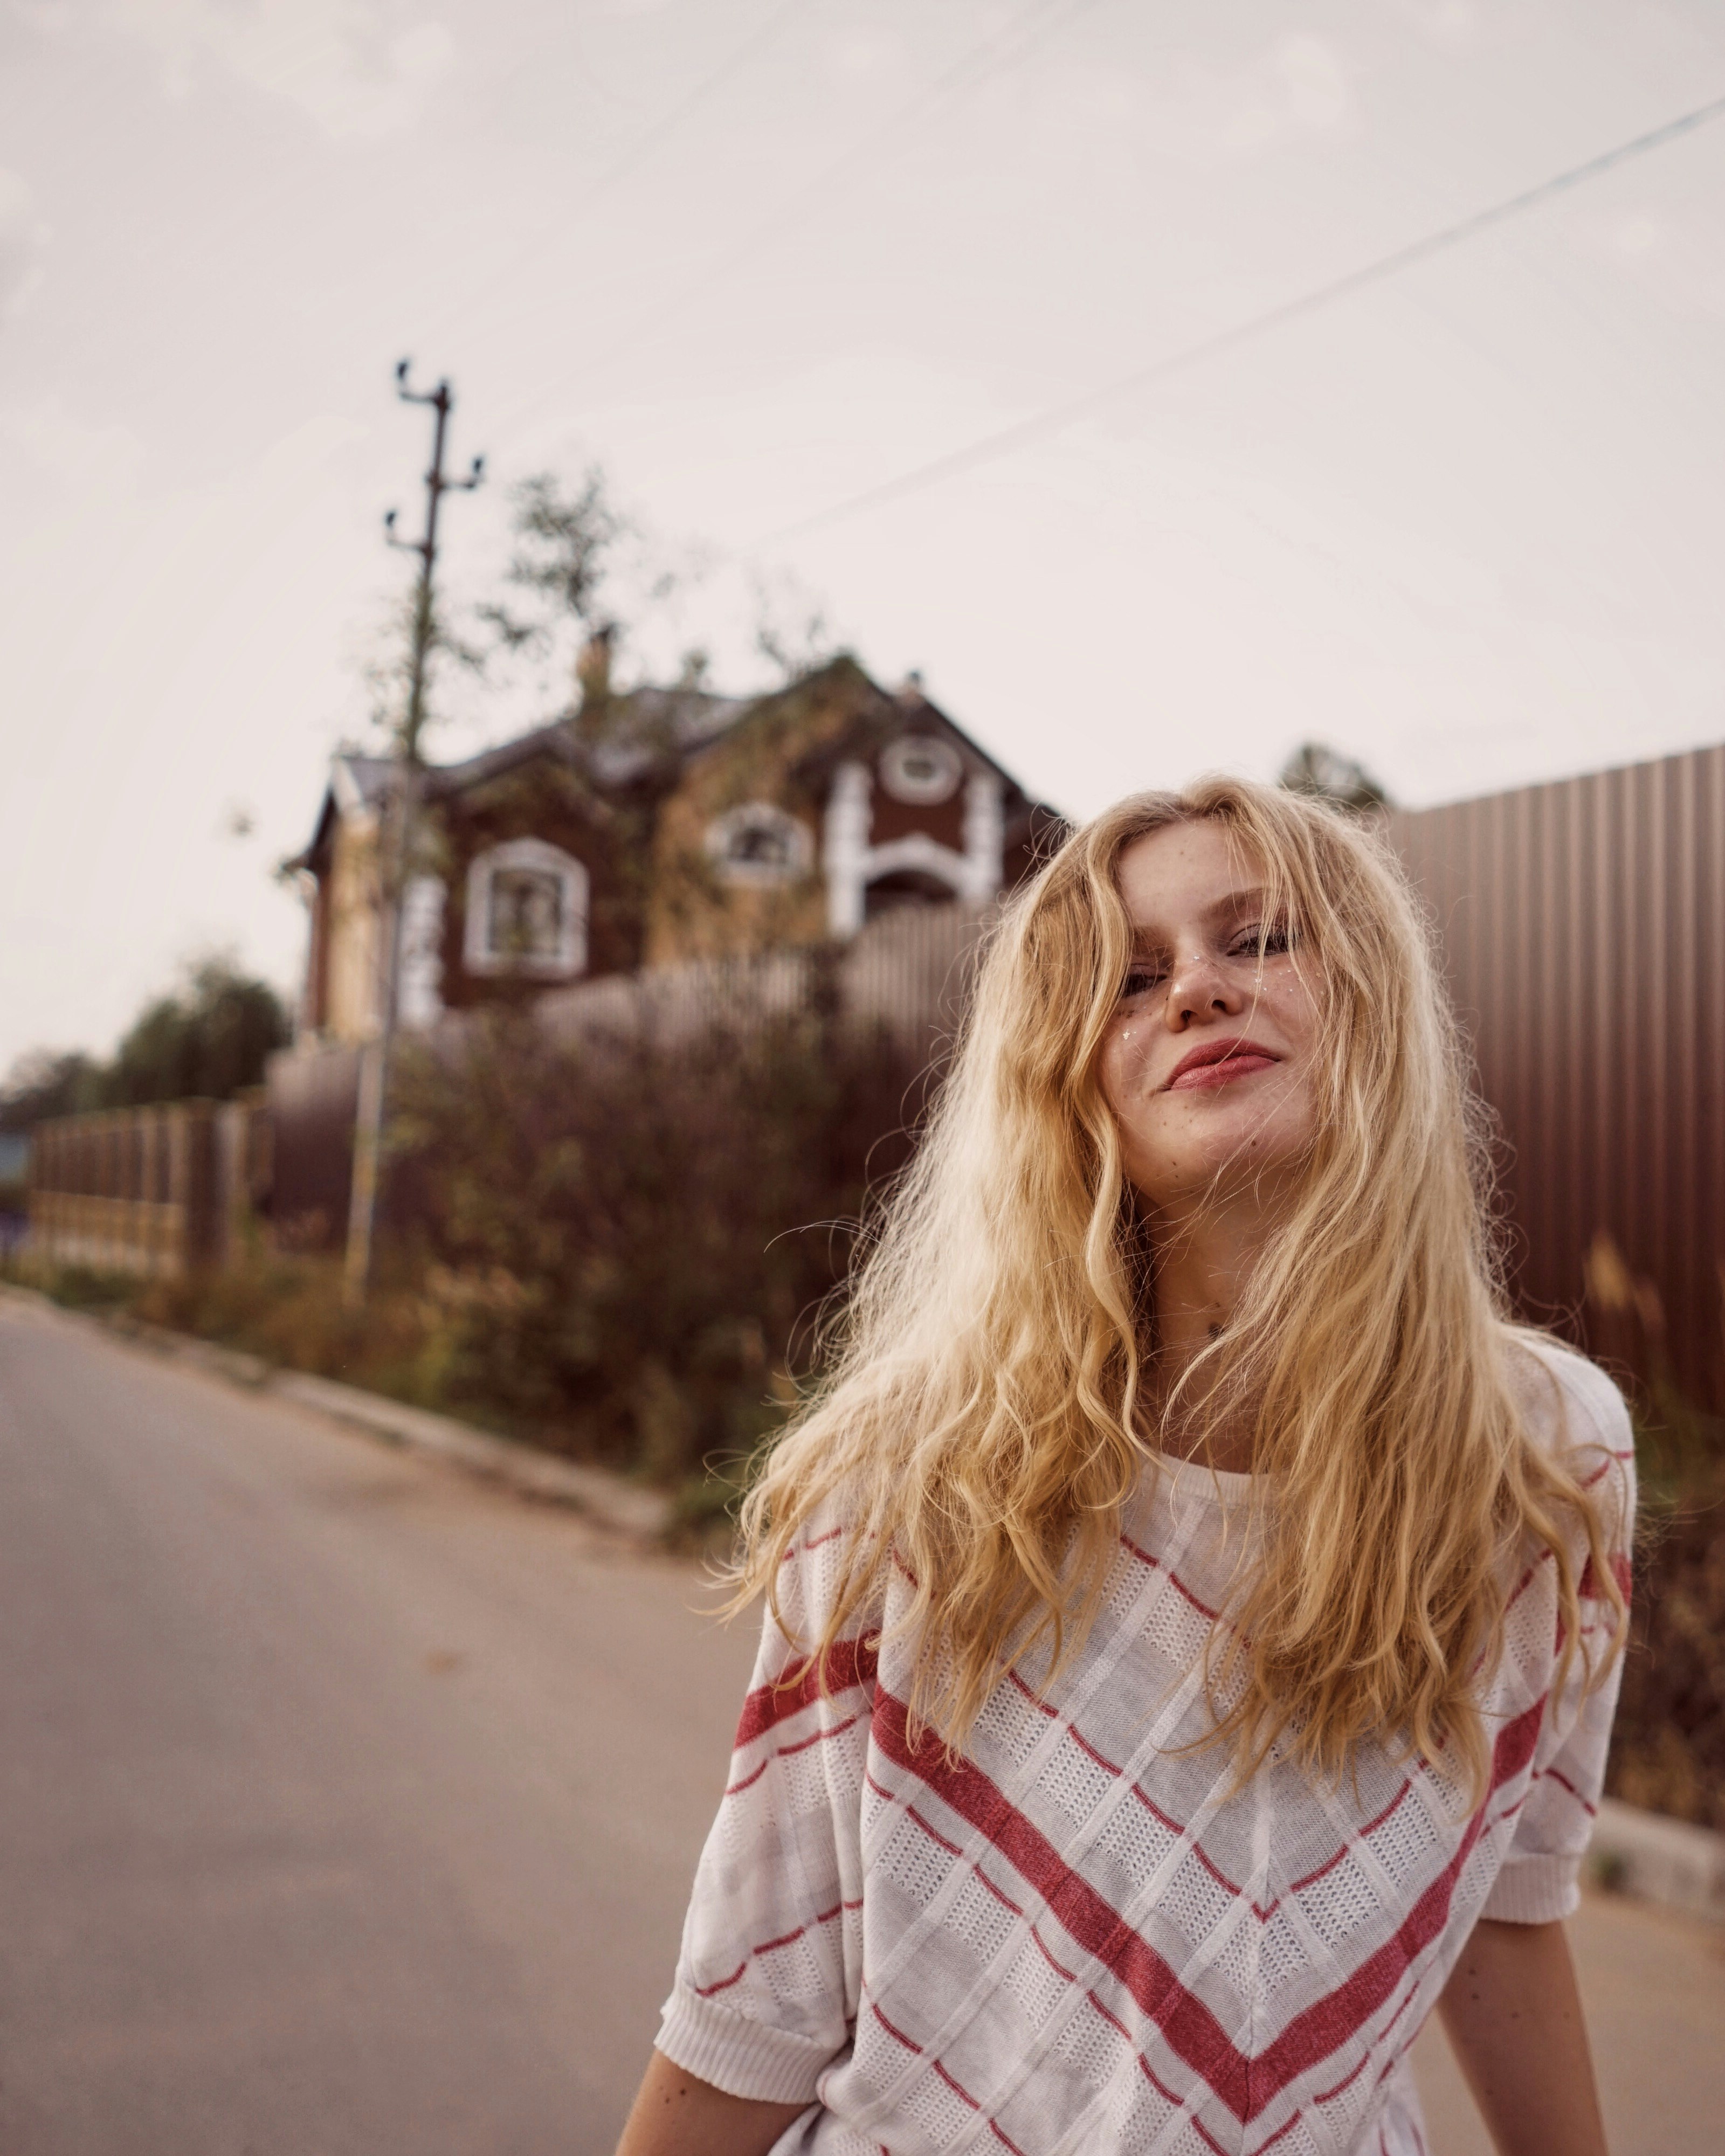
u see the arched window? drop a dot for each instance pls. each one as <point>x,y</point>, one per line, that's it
<point>901,889</point>
<point>921,767</point>
<point>527,911</point>
<point>760,843</point>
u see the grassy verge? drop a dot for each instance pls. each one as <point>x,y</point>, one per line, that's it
<point>289,1311</point>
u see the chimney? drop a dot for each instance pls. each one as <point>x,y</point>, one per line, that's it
<point>592,669</point>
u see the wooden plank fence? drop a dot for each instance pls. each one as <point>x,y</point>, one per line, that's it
<point>158,1190</point>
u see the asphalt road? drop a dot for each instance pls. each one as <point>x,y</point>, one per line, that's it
<point>348,1807</point>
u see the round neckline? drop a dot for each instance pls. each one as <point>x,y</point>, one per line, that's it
<point>1193,1479</point>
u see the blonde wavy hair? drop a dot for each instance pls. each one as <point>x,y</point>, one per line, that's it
<point>986,1415</point>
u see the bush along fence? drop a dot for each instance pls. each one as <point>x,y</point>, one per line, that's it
<point>627,1240</point>
<point>902,978</point>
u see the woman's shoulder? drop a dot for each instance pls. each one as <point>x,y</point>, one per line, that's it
<point>832,1546</point>
<point>1568,1405</point>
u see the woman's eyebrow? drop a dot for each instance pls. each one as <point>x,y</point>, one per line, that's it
<point>1147,936</point>
<point>1248,895</point>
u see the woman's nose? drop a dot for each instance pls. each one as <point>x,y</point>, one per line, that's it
<point>1199,988</point>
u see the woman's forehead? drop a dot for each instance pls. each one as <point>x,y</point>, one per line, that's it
<point>1186,871</point>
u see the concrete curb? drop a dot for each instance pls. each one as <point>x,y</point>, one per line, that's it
<point>608,1499</point>
<point>1659,1860</point>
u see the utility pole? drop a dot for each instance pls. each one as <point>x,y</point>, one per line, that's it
<point>395,838</point>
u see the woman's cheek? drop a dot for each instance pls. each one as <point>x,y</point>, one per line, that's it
<point>1126,1063</point>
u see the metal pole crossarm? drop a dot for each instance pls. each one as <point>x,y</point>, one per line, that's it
<point>395,844</point>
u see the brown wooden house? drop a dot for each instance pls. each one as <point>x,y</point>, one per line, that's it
<point>652,826</point>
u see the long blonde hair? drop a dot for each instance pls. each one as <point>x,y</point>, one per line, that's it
<point>985,1419</point>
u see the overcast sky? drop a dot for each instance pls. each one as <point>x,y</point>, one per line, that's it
<point>760,258</point>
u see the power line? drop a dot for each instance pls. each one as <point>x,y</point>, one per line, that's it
<point>1051,419</point>
<point>668,123</point>
<point>992,55</point>
<point>595,191</point>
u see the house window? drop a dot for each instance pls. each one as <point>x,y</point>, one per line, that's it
<point>921,767</point>
<point>527,911</point>
<point>760,843</point>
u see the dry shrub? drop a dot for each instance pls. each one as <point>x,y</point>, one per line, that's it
<point>1668,1750</point>
<point>625,1240</point>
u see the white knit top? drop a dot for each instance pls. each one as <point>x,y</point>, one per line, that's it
<point>1076,1939</point>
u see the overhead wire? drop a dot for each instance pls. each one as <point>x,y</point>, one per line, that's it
<point>1055,417</point>
<point>668,122</point>
<point>595,191</point>
<point>992,55</point>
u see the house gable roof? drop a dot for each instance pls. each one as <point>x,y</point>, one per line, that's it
<point>652,730</point>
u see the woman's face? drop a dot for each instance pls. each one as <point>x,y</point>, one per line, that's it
<point>1208,1062</point>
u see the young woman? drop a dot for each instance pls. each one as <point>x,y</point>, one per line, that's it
<point>1192,1606</point>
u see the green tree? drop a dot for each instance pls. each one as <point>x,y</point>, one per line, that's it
<point>1313,768</point>
<point>206,1040</point>
<point>569,547</point>
<point>46,1082</point>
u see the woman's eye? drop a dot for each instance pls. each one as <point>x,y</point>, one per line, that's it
<point>1139,982</point>
<point>1272,942</point>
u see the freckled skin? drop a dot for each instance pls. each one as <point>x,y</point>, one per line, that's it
<point>1192,896</point>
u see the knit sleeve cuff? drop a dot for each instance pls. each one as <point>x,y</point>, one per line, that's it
<point>742,2057</point>
<point>1535,1890</point>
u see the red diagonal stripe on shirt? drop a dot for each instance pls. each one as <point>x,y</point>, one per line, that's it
<point>848,1662</point>
<point>1245,2084</point>
<point>1588,1589</point>
<point>1328,2023</point>
<point>1156,1564</point>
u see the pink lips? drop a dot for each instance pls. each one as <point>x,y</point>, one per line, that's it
<point>1219,1062</point>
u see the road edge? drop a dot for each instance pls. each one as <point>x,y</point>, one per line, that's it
<point>606,1498</point>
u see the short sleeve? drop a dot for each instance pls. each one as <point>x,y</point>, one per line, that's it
<point>1540,1878</point>
<point>770,1973</point>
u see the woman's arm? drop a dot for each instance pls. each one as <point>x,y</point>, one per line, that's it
<point>676,2115</point>
<point>1513,2016</point>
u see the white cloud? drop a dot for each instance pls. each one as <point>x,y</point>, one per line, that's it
<point>1685,273</point>
<point>863,51</point>
<point>23,236</point>
<point>69,454</point>
<point>1313,81</point>
<point>354,68</point>
<point>1297,87</point>
<point>1452,24</point>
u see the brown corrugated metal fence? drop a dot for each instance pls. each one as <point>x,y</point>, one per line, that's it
<point>1582,924</point>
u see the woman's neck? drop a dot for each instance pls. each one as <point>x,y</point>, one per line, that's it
<point>1203,1262</point>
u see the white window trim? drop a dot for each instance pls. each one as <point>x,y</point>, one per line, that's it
<point>852,863</point>
<point>920,793</point>
<point>418,984</point>
<point>800,847</point>
<point>535,854</point>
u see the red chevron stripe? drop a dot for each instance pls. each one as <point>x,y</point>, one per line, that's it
<point>1245,2084</point>
<point>848,1663</point>
<point>1564,1782</point>
<point>1589,1589</point>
